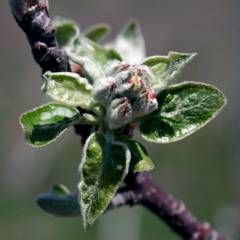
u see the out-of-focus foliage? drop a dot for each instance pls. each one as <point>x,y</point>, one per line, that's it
<point>205,164</point>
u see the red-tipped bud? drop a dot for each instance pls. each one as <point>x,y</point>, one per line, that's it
<point>130,87</point>
<point>152,95</point>
<point>103,90</point>
<point>144,105</point>
<point>119,113</point>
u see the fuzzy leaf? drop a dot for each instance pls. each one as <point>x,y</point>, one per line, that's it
<point>167,68</point>
<point>92,57</point>
<point>44,124</point>
<point>140,161</point>
<point>69,89</point>
<point>59,189</point>
<point>183,109</point>
<point>97,32</point>
<point>103,167</point>
<point>130,43</point>
<point>67,31</point>
<point>59,205</point>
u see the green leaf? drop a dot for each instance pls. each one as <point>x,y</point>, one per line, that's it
<point>89,119</point>
<point>97,32</point>
<point>167,68</point>
<point>130,43</point>
<point>103,167</point>
<point>140,161</point>
<point>60,189</point>
<point>59,205</point>
<point>67,31</point>
<point>44,124</point>
<point>183,109</point>
<point>92,57</point>
<point>69,89</point>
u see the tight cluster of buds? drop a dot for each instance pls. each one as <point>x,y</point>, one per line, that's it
<point>126,93</point>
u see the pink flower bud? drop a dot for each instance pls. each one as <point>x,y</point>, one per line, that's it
<point>152,95</point>
<point>144,105</point>
<point>119,113</point>
<point>144,73</point>
<point>103,90</point>
<point>130,87</point>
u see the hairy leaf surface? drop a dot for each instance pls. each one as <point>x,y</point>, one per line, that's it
<point>92,57</point>
<point>130,43</point>
<point>167,68</point>
<point>97,32</point>
<point>60,189</point>
<point>44,124</point>
<point>69,89</point>
<point>183,109</point>
<point>140,161</point>
<point>67,32</point>
<point>103,167</point>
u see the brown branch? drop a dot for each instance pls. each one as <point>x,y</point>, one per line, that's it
<point>139,189</point>
<point>33,18</point>
<point>172,211</point>
<point>68,206</point>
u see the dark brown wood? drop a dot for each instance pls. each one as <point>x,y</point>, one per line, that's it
<point>172,211</point>
<point>34,20</point>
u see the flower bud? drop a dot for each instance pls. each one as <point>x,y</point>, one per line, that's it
<point>145,73</point>
<point>130,87</point>
<point>144,105</point>
<point>119,113</point>
<point>115,67</point>
<point>103,90</point>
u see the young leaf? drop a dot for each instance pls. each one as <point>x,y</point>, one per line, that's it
<point>183,109</point>
<point>130,43</point>
<point>103,167</point>
<point>59,205</point>
<point>167,68</point>
<point>97,32</point>
<point>60,189</point>
<point>89,119</point>
<point>69,89</point>
<point>67,32</point>
<point>44,124</point>
<point>140,161</point>
<point>92,57</point>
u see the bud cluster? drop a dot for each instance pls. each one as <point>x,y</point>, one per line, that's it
<point>126,93</point>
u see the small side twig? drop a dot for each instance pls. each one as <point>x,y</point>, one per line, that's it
<point>139,189</point>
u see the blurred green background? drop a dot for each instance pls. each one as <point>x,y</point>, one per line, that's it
<point>202,170</point>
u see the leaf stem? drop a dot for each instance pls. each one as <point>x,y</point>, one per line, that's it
<point>88,119</point>
<point>109,136</point>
